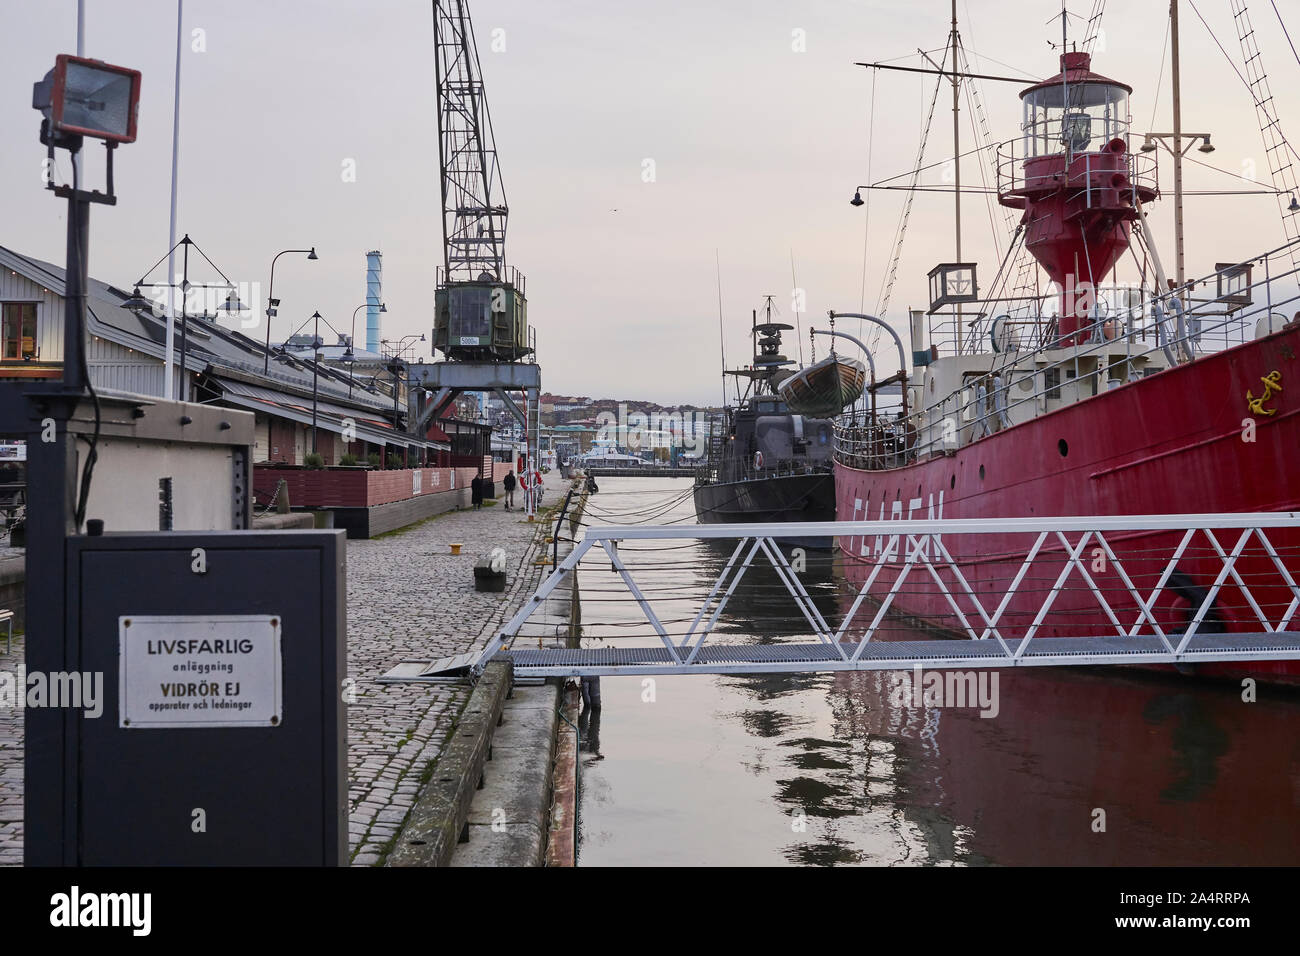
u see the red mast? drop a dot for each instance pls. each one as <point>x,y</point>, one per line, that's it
<point>1075,179</point>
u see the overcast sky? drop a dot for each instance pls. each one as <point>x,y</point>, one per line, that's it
<point>757,147</point>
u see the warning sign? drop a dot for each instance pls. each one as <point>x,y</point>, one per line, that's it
<point>212,671</point>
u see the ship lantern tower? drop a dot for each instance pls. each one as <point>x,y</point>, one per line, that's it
<point>1079,186</point>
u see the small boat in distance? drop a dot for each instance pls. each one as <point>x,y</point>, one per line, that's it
<point>606,454</point>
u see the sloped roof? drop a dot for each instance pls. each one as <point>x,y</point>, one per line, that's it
<point>209,347</point>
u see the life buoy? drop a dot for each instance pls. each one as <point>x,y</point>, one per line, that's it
<point>758,460</point>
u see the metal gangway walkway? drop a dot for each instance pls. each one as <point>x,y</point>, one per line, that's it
<point>1014,593</point>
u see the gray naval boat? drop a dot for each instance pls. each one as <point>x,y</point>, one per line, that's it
<point>769,463</point>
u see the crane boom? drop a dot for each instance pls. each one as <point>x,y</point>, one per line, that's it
<point>481,310</point>
<point>474,209</point>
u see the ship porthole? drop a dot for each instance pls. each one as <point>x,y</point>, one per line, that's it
<point>981,472</point>
<point>1063,447</point>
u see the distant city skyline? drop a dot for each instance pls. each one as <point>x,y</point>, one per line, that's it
<point>644,148</point>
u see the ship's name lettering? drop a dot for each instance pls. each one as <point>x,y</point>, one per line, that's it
<point>898,511</point>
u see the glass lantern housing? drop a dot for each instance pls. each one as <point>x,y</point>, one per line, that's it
<point>1074,118</point>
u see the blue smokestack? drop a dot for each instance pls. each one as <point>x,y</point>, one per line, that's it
<point>374,297</point>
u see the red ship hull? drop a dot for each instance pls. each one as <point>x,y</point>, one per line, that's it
<point>1177,442</point>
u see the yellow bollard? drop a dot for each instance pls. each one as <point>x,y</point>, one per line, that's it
<point>456,546</point>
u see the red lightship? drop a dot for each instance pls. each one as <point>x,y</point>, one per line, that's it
<point>1159,397</point>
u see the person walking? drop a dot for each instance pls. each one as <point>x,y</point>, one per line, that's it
<point>508,483</point>
<point>476,492</point>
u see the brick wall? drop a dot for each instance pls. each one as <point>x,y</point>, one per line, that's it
<point>358,488</point>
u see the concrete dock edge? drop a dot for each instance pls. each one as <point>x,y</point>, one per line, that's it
<point>441,813</point>
<point>452,804</point>
<point>561,842</point>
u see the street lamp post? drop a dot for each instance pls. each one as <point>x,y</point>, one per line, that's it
<point>352,336</point>
<point>395,367</point>
<point>1178,144</point>
<point>401,343</point>
<point>272,303</point>
<point>315,374</point>
<point>349,358</point>
<point>137,302</point>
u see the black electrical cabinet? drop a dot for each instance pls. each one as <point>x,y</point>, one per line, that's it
<point>221,735</point>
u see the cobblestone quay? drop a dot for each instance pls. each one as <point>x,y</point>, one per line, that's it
<point>408,597</point>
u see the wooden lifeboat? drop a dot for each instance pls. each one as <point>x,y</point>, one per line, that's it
<point>826,388</point>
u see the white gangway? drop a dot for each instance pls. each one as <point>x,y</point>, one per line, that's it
<point>993,628</point>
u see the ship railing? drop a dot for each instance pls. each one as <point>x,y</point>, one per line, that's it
<point>512,276</point>
<point>919,590</point>
<point>1141,171</point>
<point>1129,337</point>
<point>729,471</point>
<point>873,442</point>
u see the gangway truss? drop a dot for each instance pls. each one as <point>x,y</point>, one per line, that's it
<point>1025,592</point>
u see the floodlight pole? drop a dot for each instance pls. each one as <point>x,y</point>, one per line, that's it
<point>77,278</point>
<point>77,266</point>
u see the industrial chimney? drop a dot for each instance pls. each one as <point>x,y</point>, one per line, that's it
<point>374,298</point>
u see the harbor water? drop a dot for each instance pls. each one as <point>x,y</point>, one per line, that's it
<point>1090,766</point>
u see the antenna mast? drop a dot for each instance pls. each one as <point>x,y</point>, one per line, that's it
<point>956,151</point>
<point>1180,269</point>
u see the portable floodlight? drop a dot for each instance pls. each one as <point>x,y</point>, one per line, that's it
<point>85,97</point>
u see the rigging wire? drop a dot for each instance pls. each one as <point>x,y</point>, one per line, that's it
<point>1285,31</point>
<point>1160,77</point>
<point>1249,89</point>
<point>969,89</point>
<point>887,289</point>
<point>866,226</point>
<point>934,165</point>
<point>798,328</point>
<point>1022,265</point>
<point>1093,27</point>
<point>722,336</point>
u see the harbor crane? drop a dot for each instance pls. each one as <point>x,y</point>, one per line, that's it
<point>481,309</point>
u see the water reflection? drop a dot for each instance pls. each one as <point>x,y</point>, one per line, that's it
<point>1197,741</point>
<point>822,769</point>
<point>589,735</point>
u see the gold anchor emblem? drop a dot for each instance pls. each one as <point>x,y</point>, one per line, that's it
<point>1272,383</point>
